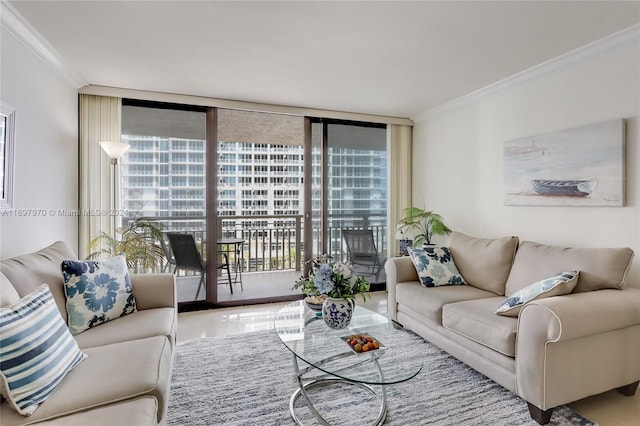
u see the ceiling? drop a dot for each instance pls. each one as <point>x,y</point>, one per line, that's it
<point>391,58</point>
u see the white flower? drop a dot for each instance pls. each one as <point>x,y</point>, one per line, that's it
<point>342,269</point>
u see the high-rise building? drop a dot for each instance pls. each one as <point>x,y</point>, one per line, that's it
<point>165,178</point>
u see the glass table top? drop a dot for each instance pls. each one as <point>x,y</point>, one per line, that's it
<point>306,335</point>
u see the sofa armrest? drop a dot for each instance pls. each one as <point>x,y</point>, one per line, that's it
<point>397,270</point>
<point>569,347</point>
<point>154,290</point>
<point>581,314</point>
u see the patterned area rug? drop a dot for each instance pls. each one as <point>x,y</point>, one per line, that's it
<point>247,379</point>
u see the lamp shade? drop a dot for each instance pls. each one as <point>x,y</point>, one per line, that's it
<point>114,150</point>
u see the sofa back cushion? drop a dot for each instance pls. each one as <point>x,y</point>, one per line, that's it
<point>484,263</point>
<point>28,272</point>
<point>599,268</point>
<point>8,294</point>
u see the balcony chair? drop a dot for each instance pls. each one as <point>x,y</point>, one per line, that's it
<point>188,258</point>
<point>362,251</point>
<point>168,254</point>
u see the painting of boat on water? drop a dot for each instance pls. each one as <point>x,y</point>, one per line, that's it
<point>583,166</point>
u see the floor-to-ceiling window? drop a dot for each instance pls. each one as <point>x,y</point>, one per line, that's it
<point>162,177</point>
<point>349,184</point>
<point>257,226</point>
<point>259,166</point>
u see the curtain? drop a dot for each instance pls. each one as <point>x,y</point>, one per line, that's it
<point>399,142</point>
<point>99,121</point>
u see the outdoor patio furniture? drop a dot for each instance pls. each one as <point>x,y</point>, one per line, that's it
<point>362,251</point>
<point>188,258</point>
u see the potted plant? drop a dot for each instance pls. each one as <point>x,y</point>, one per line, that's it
<point>139,242</point>
<point>422,225</point>
<point>335,286</point>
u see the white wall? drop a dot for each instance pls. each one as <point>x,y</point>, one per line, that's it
<point>46,151</point>
<point>457,165</point>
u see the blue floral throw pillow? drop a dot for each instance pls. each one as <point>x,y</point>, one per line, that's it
<point>435,266</point>
<point>560,284</point>
<point>97,291</point>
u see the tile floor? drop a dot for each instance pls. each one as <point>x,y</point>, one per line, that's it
<point>607,409</point>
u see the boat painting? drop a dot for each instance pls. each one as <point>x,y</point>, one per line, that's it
<point>567,188</point>
<point>583,166</point>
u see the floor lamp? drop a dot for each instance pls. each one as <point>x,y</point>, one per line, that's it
<point>114,150</point>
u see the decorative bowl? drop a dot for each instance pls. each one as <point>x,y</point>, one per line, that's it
<point>315,302</point>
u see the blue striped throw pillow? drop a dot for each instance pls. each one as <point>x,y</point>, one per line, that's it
<point>36,350</point>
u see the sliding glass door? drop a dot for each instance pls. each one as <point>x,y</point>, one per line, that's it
<point>349,185</point>
<point>163,180</point>
<point>259,193</point>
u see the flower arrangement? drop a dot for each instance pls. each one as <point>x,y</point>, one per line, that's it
<point>332,279</point>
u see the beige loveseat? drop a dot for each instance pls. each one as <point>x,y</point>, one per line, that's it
<point>559,349</point>
<point>126,376</point>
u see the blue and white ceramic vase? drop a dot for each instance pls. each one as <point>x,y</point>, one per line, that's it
<point>404,247</point>
<point>337,312</point>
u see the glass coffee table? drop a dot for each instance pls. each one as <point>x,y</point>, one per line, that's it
<point>325,353</point>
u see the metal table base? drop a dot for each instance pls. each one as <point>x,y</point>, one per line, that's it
<point>329,380</point>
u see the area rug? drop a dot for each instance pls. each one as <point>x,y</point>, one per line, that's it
<point>247,379</point>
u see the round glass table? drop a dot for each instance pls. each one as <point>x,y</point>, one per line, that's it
<point>317,348</point>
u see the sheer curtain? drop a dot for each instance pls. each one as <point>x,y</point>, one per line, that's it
<point>399,198</point>
<point>99,121</point>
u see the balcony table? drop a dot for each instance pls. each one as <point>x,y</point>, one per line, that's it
<point>228,246</point>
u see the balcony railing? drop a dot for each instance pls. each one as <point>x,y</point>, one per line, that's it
<point>275,243</point>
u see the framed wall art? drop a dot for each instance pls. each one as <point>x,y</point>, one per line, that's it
<point>583,166</point>
<point>7,141</point>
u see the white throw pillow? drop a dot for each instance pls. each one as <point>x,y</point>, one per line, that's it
<point>36,350</point>
<point>560,284</point>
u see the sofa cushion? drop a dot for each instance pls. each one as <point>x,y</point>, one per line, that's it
<point>29,271</point>
<point>138,325</point>
<point>139,412</point>
<point>434,266</point>
<point>599,267</point>
<point>8,294</point>
<point>484,263</point>
<point>475,319</point>
<point>97,291</point>
<point>36,350</point>
<point>111,374</point>
<point>557,285</point>
<point>428,302</point>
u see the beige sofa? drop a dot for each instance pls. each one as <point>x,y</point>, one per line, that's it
<point>126,377</point>
<point>559,349</point>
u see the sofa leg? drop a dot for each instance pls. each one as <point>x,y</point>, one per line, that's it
<point>540,416</point>
<point>629,390</point>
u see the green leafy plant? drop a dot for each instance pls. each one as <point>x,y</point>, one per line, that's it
<point>139,242</point>
<point>421,225</point>
<point>333,279</point>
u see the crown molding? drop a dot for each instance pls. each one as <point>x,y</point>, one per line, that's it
<point>14,23</point>
<point>615,40</point>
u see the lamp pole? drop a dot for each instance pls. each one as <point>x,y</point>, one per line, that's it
<point>114,150</point>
